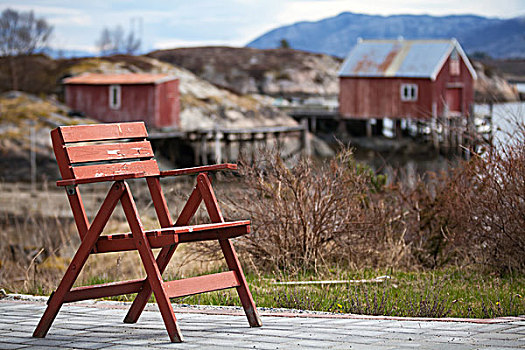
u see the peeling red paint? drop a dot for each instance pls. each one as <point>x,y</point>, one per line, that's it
<point>388,59</point>
<point>364,65</point>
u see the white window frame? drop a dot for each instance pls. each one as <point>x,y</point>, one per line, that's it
<point>455,69</point>
<point>114,103</point>
<point>454,65</point>
<point>411,92</point>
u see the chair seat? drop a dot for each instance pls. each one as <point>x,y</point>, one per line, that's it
<point>179,234</point>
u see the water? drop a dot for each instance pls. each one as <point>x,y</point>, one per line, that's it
<point>505,118</point>
<point>407,167</point>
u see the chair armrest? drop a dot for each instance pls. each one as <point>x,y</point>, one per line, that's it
<point>200,169</point>
<point>72,182</point>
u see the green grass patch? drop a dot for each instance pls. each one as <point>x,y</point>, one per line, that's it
<point>447,293</point>
<point>443,293</point>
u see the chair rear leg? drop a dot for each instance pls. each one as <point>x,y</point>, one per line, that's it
<point>204,186</point>
<point>244,292</point>
<point>143,296</point>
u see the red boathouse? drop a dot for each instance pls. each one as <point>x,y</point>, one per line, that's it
<point>152,98</point>
<point>406,79</point>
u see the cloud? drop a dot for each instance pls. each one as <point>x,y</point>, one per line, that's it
<point>79,20</point>
<point>168,23</point>
<point>43,11</point>
<point>55,15</point>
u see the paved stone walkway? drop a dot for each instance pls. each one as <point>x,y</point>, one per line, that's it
<point>97,326</point>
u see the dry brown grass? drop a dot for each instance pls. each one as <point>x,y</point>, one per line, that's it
<point>38,237</point>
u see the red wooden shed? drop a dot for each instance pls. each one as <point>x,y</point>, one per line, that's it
<point>399,79</point>
<point>152,98</point>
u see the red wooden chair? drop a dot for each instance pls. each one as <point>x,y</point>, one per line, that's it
<point>84,155</point>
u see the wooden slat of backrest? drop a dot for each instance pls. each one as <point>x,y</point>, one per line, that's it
<point>146,167</point>
<point>75,199</point>
<point>99,132</point>
<point>60,154</point>
<point>109,151</point>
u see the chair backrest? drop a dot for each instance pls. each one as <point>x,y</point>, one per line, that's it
<point>87,151</point>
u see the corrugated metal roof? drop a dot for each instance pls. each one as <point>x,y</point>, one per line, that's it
<point>108,79</point>
<point>400,58</point>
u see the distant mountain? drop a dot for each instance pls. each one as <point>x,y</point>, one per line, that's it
<point>499,38</point>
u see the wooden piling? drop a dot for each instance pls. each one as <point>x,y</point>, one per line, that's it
<point>314,125</point>
<point>203,149</point>
<point>218,148</point>
<point>368,128</point>
<point>434,127</point>
<point>227,148</point>
<point>398,132</point>
<point>278,141</point>
<point>253,141</point>
<point>305,139</point>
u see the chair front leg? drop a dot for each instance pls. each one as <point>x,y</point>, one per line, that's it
<point>166,253</point>
<point>150,265</point>
<point>90,239</point>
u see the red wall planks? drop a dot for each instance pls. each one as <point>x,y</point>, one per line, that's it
<point>155,104</point>
<point>363,97</point>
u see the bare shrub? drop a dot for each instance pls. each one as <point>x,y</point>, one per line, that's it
<point>34,261</point>
<point>311,215</point>
<point>432,210</point>
<point>472,214</point>
<point>301,213</point>
<point>494,229</point>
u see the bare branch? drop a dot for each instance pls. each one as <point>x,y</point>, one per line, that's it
<point>22,34</point>
<point>115,41</point>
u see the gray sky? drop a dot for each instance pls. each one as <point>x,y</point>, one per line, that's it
<point>178,23</point>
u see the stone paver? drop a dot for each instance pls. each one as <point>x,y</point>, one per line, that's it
<point>95,326</point>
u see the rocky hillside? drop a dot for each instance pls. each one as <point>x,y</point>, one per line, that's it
<point>512,70</point>
<point>278,72</point>
<point>24,117</point>
<point>203,105</point>
<point>294,73</point>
